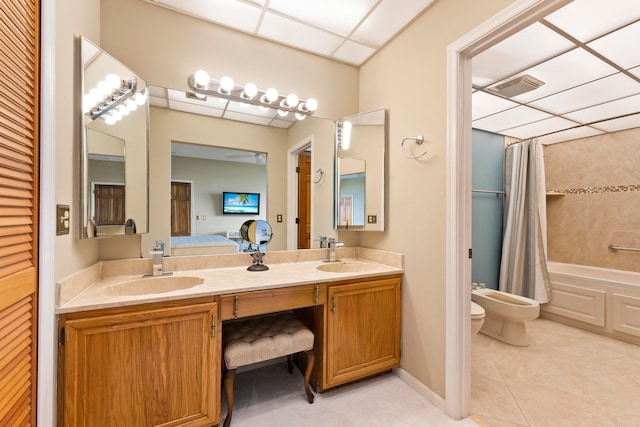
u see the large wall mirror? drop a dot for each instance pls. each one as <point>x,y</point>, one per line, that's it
<point>114,161</point>
<point>359,172</point>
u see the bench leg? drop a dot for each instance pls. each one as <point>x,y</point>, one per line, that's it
<point>229,380</point>
<point>311,357</point>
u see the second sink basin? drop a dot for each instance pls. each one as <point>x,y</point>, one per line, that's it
<point>346,267</point>
<point>152,285</point>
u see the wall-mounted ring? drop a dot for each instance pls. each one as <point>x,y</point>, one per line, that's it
<point>419,140</point>
<point>321,172</point>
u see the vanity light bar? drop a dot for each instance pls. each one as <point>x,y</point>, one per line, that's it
<point>343,134</point>
<point>110,96</point>
<point>225,88</point>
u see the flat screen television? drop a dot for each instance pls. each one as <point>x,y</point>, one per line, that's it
<point>240,203</point>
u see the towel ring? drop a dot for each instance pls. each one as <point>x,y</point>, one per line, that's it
<point>321,172</point>
<point>419,140</point>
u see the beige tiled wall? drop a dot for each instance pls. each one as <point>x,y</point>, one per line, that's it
<point>599,178</point>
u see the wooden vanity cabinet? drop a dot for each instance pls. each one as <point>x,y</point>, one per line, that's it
<point>362,333</point>
<point>148,365</point>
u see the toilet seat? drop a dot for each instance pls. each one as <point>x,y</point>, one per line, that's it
<point>477,312</point>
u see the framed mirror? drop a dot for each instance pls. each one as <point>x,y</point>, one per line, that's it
<point>114,155</point>
<point>360,142</point>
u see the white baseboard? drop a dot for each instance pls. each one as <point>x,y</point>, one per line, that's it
<point>422,389</point>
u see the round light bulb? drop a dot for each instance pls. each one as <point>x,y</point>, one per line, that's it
<point>108,119</point>
<point>250,90</point>
<point>265,109</point>
<point>123,110</point>
<point>300,116</point>
<point>87,103</point>
<point>282,113</point>
<point>201,78</point>
<point>272,94</point>
<point>139,98</point>
<point>96,95</point>
<point>131,105</point>
<point>311,104</point>
<point>226,84</point>
<point>292,100</point>
<point>104,88</point>
<point>116,115</point>
<point>112,80</point>
<point>347,127</point>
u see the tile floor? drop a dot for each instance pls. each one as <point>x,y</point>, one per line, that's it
<point>566,377</point>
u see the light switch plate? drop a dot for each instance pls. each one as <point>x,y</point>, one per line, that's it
<point>62,220</point>
<point>372,219</point>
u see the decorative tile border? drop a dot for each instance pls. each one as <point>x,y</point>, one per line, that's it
<point>597,190</point>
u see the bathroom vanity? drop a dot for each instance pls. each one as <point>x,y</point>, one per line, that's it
<point>154,358</point>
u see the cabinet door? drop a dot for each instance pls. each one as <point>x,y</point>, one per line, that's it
<point>363,330</point>
<point>143,368</point>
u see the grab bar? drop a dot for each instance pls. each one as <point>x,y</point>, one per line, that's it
<point>496,192</point>
<point>620,248</point>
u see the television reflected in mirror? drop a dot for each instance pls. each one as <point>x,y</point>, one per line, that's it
<point>240,203</point>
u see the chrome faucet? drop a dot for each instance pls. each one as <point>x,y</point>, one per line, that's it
<point>157,253</point>
<point>332,244</point>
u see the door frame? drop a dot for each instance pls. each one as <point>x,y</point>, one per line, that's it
<point>458,193</point>
<point>304,144</point>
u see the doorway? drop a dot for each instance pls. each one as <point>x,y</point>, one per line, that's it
<point>302,151</point>
<point>458,228</point>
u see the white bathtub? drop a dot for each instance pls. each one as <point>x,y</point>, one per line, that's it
<point>597,299</point>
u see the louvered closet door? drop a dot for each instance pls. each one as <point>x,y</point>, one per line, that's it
<point>19,117</point>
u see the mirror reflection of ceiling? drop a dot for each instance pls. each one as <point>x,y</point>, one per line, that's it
<point>349,31</point>
<point>585,53</point>
<point>208,152</point>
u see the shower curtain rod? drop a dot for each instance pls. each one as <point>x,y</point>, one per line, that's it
<point>576,127</point>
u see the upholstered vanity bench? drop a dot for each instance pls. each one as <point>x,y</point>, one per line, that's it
<point>264,338</point>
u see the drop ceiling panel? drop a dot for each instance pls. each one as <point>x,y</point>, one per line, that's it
<point>516,117</point>
<point>195,109</point>
<point>569,134</point>
<point>387,19</point>
<point>337,16</point>
<point>621,47</point>
<point>298,35</point>
<point>248,118</point>
<point>541,127</point>
<point>590,94</point>
<point>353,53</point>
<point>530,46</point>
<point>611,109</point>
<point>485,104</point>
<point>620,124</point>
<point>584,67</point>
<point>231,13</point>
<point>588,19</point>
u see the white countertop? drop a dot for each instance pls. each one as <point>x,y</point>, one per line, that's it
<point>218,281</point>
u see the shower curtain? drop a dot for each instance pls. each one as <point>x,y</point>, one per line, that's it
<point>523,269</point>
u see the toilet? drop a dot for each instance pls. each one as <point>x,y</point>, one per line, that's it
<point>505,315</point>
<point>477,317</point>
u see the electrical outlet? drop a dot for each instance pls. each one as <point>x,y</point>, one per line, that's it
<point>372,219</point>
<point>197,217</point>
<point>279,218</point>
<point>62,219</point>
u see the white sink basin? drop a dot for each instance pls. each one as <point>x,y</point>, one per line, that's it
<point>152,285</point>
<point>346,267</point>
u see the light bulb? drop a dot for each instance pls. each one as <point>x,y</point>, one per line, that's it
<point>265,109</point>
<point>108,119</point>
<point>272,94</point>
<point>226,85</point>
<point>201,78</point>
<point>131,105</point>
<point>282,113</point>
<point>300,116</point>
<point>87,103</point>
<point>104,88</point>
<point>123,110</point>
<point>112,80</point>
<point>311,104</point>
<point>292,100</point>
<point>116,115</point>
<point>250,90</point>
<point>139,98</point>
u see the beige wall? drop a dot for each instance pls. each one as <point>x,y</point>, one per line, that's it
<point>73,18</point>
<point>409,78</point>
<point>600,180</point>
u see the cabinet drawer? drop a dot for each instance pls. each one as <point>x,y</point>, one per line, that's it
<point>244,304</point>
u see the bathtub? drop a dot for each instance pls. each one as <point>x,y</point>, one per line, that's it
<point>597,299</point>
